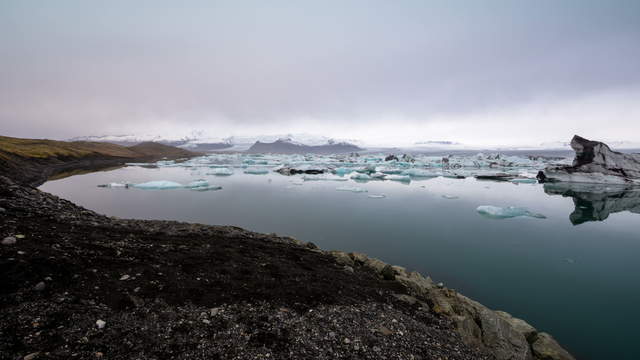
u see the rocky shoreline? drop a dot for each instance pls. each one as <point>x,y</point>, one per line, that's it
<point>79,284</point>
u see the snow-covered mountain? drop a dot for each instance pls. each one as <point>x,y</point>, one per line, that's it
<point>197,141</point>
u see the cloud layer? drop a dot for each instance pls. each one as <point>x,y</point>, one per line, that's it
<point>477,72</point>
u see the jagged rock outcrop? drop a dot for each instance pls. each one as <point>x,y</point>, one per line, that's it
<point>504,336</point>
<point>595,162</point>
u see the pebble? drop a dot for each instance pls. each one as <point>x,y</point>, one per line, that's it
<point>40,286</point>
<point>347,341</point>
<point>2,210</point>
<point>19,236</point>
<point>31,356</point>
<point>101,324</point>
<point>125,277</point>
<point>9,240</point>
<point>440,285</point>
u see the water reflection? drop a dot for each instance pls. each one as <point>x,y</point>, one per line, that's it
<point>594,202</point>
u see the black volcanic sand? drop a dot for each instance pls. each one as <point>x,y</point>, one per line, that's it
<point>170,290</point>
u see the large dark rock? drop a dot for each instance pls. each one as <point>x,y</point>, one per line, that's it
<point>595,162</point>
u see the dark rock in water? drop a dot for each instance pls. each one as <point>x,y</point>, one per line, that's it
<point>391,158</point>
<point>595,202</point>
<point>408,158</point>
<point>595,162</point>
<point>496,177</point>
<point>541,177</point>
<point>291,171</point>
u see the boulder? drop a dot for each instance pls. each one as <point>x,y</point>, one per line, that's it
<point>546,348</point>
<point>595,162</point>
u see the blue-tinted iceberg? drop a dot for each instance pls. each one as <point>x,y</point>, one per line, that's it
<point>158,185</point>
<point>359,176</point>
<point>496,212</point>
<point>197,184</point>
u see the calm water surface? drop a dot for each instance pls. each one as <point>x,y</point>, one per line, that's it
<point>574,274</point>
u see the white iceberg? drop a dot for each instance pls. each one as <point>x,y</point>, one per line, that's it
<point>450,197</point>
<point>351,188</point>
<point>377,196</point>
<point>496,212</point>
<point>403,178</point>
<point>159,185</point>
<point>419,173</point>
<point>197,184</point>
<point>256,171</point>
<point>359,176</point>
<point>220,172</point>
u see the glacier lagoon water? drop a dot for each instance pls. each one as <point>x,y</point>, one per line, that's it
<point>574,274</point>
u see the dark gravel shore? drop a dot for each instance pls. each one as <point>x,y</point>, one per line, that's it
<point>76,284</point>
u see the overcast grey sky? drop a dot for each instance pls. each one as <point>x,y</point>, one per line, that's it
<point>481,72</point>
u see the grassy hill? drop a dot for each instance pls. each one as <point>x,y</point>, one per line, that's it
<point>38,159</point>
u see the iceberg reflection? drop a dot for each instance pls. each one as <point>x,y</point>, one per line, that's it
<point>594,202</point>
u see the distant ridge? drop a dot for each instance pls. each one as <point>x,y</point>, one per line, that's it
<point>286,147</point>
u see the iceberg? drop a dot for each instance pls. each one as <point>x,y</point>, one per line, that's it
<point>403,178</point>
<point>418,173</point>
<point>524,181</point>
<point>158,185</point>
<point>359,176</point>
<point>220,172</point>
<point>207,188</point>
<point>256,171</point>
<point>197,184</point>
<point>354,189</point>
<point>323,178</point>
<point>377,196</point>
<point>450,197</point>
<point>496,212</point>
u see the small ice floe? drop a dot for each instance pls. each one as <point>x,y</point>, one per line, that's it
<point>524,181</point>
<point>197,183</point>
<point>220,172</point>
<point>323,177</point>
<point>377,196</point>
<point>360,176</point>
<point>402,178</point>
<point>419,173</point>
<point>158,185</point>
<point>496,212</point>
<point>450,197</point>
<point>354,189</point>
<point>569,261</point>
<point>207,188</point>
<point>256,171</point>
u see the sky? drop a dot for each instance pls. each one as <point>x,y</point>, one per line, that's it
<point>386,72</point>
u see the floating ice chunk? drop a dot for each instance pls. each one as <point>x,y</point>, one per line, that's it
<point>388,170</point>
<point>158,185</point>
<point>351,188</point>
<point>419,173</point>
<point>343,171</point>
<point>207,188</point>
<point>220,172</point>
<point>378,175</point>
<point>496,212</point>
<point>403,178</point>
<point>359,176</point>
<point>450,197</point>
<point>323,178</point>
<point>377,196</point>
<point>197,184</point>
<point>524,181</point>
<point>256,171</point>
